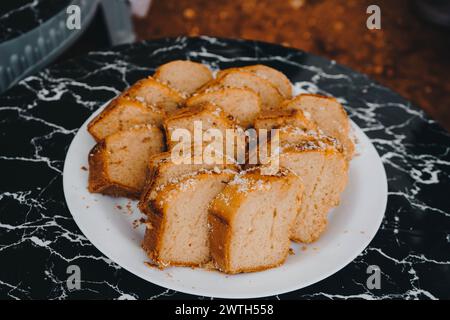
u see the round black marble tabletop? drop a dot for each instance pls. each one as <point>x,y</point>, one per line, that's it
<point>20,16</point>
<point>40,116</point>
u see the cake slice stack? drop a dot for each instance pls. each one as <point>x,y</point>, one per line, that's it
<point>206,211</point>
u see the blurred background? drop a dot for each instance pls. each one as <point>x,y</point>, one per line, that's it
<point>409,54</point>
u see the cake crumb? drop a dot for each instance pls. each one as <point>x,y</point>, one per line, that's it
<point>209,266</point>
<point>129,208</point>
<point>151,264</point>
<point>84,168</point>
<point>138,222</point>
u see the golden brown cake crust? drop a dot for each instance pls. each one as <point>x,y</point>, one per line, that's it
<point>225,206</point>
<point>99,117</point>
<point>151,177</point>
<point>220,243</point>
<point>99,181</point>
<point>155,226</point>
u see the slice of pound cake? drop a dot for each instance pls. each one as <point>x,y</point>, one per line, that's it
<point>162,170</point>
<point>123,113</point>
<point>319,161</point>
<point>243,104</point>
<point>177,229</point>
<point>270,96</point>
<point>323,170</point>
<point>329,115</point>
<point>204,116</point>
<point>157,94</point>
<point>117,164</point>
<point>205,129</point>
<point>183,75</point>
<point>251,219</point>
<point>277,78</point>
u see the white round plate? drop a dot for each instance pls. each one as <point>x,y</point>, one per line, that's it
<point>108,223</point>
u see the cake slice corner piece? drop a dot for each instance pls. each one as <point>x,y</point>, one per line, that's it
<point>117,164</point>
<point>251,219</point>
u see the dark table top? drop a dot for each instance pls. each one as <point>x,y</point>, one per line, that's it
<point>40,116</point>
<point>20,16</point>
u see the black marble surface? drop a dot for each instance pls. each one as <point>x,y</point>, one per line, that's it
<point>40,116</point>
<point>20,16</point>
